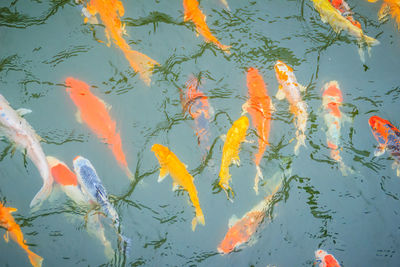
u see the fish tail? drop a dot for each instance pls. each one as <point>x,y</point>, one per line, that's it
<point>198,219</point>
<point>369,41</point>
<point>142,64</point>
<point>126,244</point>
<point>345,170</point>
<point>35,259</point>
<point>130,175</point>
<point>300,142</point>
<point>257,178</point>
<point>42,195</point>
<point>225,48</point>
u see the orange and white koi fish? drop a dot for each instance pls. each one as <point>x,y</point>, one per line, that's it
<point>339,22</point>
<point>230,152</point>
<point>331,101</point>
<point>192,12</point>
<point>260,108</point>
<point>170,164</point>
<point>68,182</point>
<point>324,259</point>
<point>289,88</point>
<point>14,231</point>
<point>391,7</point>
<point>241,231</point>
<point>16,129</point>
<point>110,12</point>
<point>93,111</point>
<point>196,104</point>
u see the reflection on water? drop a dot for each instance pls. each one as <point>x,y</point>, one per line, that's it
<point>43,42</point>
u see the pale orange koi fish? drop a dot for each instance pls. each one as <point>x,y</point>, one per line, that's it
<point>242,230</point>
<point>192,12</point>
<point>324,259</point>
<point>110,12</point>
<point>289,88</point>
<point>170,164</point>
<point>339,22</point>
<point>391,7</point>
<point>230,152</point>
<point>260,108</point>
<point>12,229</point>
<point>94,113</point>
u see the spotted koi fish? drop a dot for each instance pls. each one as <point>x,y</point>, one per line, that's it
<point>324,259</point>
<point>388,137</point>
<point>230,152</point>
<point>170,164</point>
<point>339,22</point>
<point>14,231</point>
<point>241,231</point>
<point>331,101</point>
<point>289,88</point>
<point>196,104</point>
<point>110,12</point>
<point>192,12</point>
<point>260,108</point>
<point>94,112</point>
<point>345,11</point>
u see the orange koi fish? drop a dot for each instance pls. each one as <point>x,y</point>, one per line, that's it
<point>345,10</point>
<point>170,164</point>
<point>331,101</point>
<point>13,230</point>
<point>230,151</point>
<point>192,12</point>
<point>93,111</point>
<point>196,104</point>
<point>110,12</point>
<point>289,88</point>
<point>241,231</point>
<point>324,259</point>
<point>260,108</point>
<point>339,22</point>
<point>391,7</point>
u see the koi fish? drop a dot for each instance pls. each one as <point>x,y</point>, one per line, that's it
<point>241,231</point>
<point>345,11</point>
<point>260,108</point>
<point>289,88</point>
<point>391,7</point>
<point>339,22</point>
<point>388,137</point>
<point>196,104</point>
<point>94,112</point>
<point>331,101</point>
<point>230,152</point>
<point>225,3</point>
<point>192,12</point>
<point>323,259</point>
<point>170,164</point>
<point>12,229</point>
<point>69,184</point>
<point>110,12</point>
<point>17,130</point>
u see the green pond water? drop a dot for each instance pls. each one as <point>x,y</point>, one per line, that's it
<point>354,217</point>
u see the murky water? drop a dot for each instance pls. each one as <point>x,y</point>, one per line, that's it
<point>354,217</point>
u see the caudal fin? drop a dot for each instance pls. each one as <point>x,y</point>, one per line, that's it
<point>142,64</point>
<point>369,41</point>
<point>42,195</point>
<point>257,179</point>
<point>300,142</point>
<point>198,219</point>
<point>35,259</point>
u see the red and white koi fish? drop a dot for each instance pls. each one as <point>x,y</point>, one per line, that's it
<point>196,104</point>
<point>345,11</point>
<point>110,12</point>
<point>17,130</point>
<point>14,231</point>
<point>94,112</point>
<point>324,259</point>
<point>260,108</point>
<point>331,101</point>
<point>192,12</point>
<point>289,88</point>
<point>241,231</point>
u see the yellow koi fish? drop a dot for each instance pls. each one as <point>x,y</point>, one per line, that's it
<point>230,152</point>
<point>181,178</point>
<point>339,22</point>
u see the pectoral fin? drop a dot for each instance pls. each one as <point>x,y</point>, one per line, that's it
<point>223,137</point>
<point>6,237</point>
<point>163,173</point>
<point>175,186</point>
<point>280,95</point>
<point>23,111</point>
<point>245,106</point>
<point>233,220</point>
<point>302,88</point>
<point>78,117</point>
<point>11,210</point>
<point>380,149</point>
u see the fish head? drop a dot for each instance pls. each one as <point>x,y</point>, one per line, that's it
<point>320,257</point>
<point>332,93</point>
<point>242,123</point>
<point>380,128</point>
<point>160,151</point>
<point>76,87</point>
<point>61,173</point>
<point>282,71</point>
